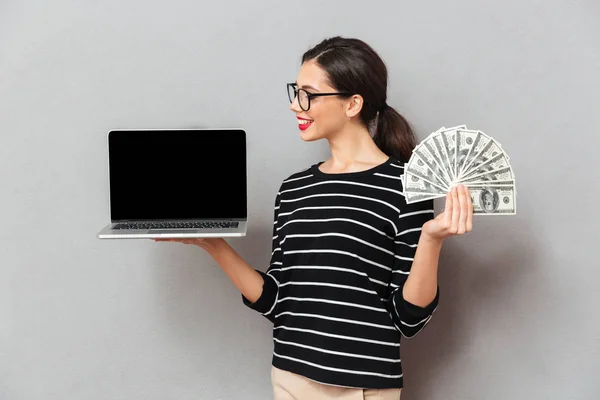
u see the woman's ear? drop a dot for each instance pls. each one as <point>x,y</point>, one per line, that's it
<point>355,104</point>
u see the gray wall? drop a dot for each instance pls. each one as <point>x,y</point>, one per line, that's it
<point>82,318</point>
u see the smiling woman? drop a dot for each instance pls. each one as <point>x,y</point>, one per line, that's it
<point>353,266</point>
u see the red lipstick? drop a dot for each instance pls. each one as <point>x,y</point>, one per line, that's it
<point>303,123</point>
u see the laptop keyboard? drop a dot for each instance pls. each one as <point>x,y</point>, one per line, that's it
<point>178,225</point>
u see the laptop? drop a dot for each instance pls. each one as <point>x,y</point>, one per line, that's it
<point>176,183</point>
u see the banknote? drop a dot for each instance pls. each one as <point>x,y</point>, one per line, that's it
<point>499,161</point>
<point>491,149</point>
<point>493,200</point>
<point>448,137</point>
<point>464,141</point>
<point>508,182</point>
<point>416,197</point>
<point>501,174</point>
<point>440,143</point>
<point>434,146</point>
<point>423,164</point>
<point>479,142</point>
<point>417,184</point>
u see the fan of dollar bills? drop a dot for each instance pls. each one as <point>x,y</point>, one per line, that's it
<point>450,156</point>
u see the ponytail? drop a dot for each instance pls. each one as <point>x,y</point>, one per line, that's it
<point>393,134</point>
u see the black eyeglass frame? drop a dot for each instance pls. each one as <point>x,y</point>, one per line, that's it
<point>310,95</point>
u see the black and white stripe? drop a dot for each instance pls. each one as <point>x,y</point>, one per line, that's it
<point>343,246</point>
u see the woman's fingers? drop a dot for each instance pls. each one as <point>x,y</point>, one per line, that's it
<point>469,225</point>
<point>196,241</point>
<point>455,211</point>
<point>457,217</point>
<point>462,220</point>
<point>448,211</point>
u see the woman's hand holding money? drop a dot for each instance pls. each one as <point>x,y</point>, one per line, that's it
<point>456,219</point>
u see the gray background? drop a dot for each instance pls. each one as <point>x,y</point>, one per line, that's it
<point>82,318</point>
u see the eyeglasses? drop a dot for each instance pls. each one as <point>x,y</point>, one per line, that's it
<point>304,97</point>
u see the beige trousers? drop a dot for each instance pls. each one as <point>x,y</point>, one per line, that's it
<point>290,386</point>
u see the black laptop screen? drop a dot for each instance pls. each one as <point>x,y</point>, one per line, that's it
<point>177,174</point>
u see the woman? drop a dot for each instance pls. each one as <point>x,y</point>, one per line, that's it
<point>353,266</point>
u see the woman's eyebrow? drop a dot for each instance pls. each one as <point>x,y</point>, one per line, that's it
<point>307,87</point>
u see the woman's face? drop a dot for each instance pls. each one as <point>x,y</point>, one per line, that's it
<point>327,114</point>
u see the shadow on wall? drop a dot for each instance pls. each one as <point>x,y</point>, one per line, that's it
<point>189,283</point>
<point>479,277</point>
<point>200,314</point>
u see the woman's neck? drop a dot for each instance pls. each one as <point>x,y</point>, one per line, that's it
<point>352,150</point>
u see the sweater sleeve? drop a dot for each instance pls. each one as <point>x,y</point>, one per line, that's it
<point>409,318</point>
<point>265,304</point>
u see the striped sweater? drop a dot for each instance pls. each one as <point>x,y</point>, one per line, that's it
<point>343,246</point>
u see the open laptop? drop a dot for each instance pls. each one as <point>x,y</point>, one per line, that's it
<point>178,183</point>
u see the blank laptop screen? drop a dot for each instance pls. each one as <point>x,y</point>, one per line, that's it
<point>177,174</point>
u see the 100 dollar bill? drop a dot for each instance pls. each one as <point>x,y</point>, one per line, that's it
<point>415,183</point>
<point>487,199</point>
<point>412,197</point>
<point>493,199</point>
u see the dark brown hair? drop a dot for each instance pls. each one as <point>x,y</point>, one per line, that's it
<point>353,66</point>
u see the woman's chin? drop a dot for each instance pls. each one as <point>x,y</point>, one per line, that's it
<point>309,135</point>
